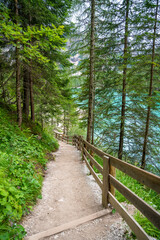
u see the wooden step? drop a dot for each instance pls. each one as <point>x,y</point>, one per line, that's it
<point>67,226</point>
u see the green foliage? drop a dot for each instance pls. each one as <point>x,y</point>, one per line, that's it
<point>76,130</point>
<point>15,231</point>
<point>45,38</point>
<point>147,225</point>
<point>148,195</point>
<point>22,159</point>
<point>113,211</point>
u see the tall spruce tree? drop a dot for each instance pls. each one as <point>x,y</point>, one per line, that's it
<point>125,57</point>
<point>90,125</point>
<point>143,163</point>
<point>37,51</point>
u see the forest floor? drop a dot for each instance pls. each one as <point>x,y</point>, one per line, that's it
<point>70,193</point>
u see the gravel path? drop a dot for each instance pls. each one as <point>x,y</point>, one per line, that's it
<point>70,193</point>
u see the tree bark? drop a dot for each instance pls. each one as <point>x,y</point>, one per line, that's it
<point>31,95</point>
<point>123,110</point>
<point>91,80</point>
<point>143,162</point>
<point>93,124</point>
<point>26,92</point>
<point>18,85</point>
<point>3,89</point>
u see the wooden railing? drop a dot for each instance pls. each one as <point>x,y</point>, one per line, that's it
<point>64,138</point>
<point>110,183</point>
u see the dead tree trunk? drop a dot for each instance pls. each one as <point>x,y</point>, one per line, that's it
<point>123,110</point>
<point>143,162</point>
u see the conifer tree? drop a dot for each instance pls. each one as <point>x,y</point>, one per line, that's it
<point>18,85</point>
<point>143,163</point>
<point>90,125</point>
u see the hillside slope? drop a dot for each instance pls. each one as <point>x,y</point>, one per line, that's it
<point>23,155</point>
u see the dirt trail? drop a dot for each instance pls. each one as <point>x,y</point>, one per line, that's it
<point>69,193</point>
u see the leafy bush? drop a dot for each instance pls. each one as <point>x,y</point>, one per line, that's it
<point>22,159</point>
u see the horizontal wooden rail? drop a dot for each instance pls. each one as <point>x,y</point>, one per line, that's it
<point>94,149</point>
<point>136,228</point>
<point>98,180</point>
<point>141,205</point>
<point>150,180</point>
<point>110,183</point>
<point>95,163</point>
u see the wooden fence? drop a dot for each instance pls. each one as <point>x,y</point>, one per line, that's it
<point>110,183</point>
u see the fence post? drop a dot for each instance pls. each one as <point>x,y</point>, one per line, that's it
<point>77,142</point>
<point>83,146</point>
<point>80,143</point>
<point>112,171</point>
<point>105,188</point>
<point>67,139</point>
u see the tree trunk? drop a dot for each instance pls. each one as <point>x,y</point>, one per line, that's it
<point>91,80</point>
<point>143,162</point>
<point>123,110</point>
<point>93,117</point>
<point>18,85</point>
<point>67,126</point>
<point>26,92</point>
<point>3,89</point>
<point>31,96</point>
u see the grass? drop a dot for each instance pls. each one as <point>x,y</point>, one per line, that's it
<point>148,195</point>
<point>22,161</point>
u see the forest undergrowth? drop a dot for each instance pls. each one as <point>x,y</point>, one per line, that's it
<point>23,157</point>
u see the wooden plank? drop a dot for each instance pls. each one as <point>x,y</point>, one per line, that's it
<point>141,205</point>
<point>93,173</point>
<point>94,149</point>
<point>67,226</point>
<point>136,228</point>
<point>76,140</point>
<point>112,171</point>
<point>105,188</point>
<point>82,151</point>
<point>95,163</point>
<point>150,180</point>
